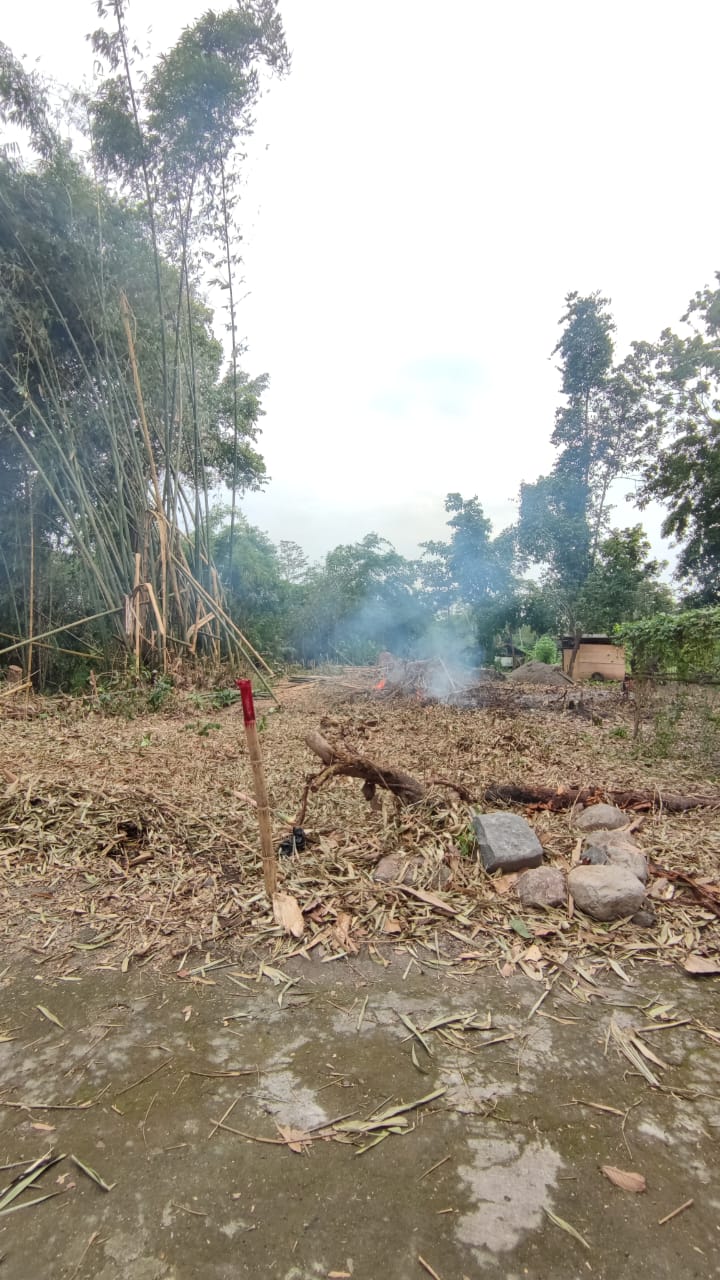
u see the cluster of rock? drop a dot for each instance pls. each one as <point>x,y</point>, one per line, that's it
<point>607,884</point>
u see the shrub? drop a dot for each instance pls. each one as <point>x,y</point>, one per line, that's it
<point>546,650</point>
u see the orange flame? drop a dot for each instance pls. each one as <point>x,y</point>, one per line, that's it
<point>381,684</point>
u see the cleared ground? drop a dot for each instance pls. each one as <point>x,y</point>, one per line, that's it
<point>145,989</point>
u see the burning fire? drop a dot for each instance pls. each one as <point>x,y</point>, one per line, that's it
<point>381,684</point>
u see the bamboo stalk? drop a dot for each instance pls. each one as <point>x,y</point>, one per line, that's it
<point>31,602</point>
<point>162,530</point>
<point>263,807</point>
<point>67,626</point>
<point>244,642</point>
<point>15,688</point>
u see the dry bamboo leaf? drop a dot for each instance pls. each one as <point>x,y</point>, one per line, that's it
<point>288,914</point>
<point>625,1180</point>
<point>392,926</point>
<point>50,1016</point>
<point>568,1227</point>
<point>91,1173</point>
<point>648,1053</point>
<point>503,884</point>
<point>701,965</point>
<point>296,1139</point>
<point>429,898</point>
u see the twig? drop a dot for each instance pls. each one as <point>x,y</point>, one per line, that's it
<point>142,1079</point>
<point>433,1167</point>
<point>680,1209</point>
<point>426,1267</point>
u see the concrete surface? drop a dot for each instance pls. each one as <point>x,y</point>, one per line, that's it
<point>509,1138</point>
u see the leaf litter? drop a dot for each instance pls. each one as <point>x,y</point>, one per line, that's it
<point>138,856</point>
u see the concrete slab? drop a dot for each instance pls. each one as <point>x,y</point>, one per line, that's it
<point>519,1131</point>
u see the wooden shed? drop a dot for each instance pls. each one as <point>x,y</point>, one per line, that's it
<point>596,656</point>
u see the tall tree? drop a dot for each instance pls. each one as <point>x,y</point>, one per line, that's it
<point>564,515</point>
<point>679,376</point>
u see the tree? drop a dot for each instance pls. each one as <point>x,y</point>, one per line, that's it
<point>363,599</point>
<point>563,515</point>
<point>169,137</point>
<point>473,567</point>
<point>293,562</point>
<point>115,421</point>
<point>624,583</point>
<point>680,458</point>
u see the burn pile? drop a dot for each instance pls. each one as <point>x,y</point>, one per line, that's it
<point>432,680</point>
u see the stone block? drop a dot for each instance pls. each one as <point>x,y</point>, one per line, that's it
<point>506,842</point>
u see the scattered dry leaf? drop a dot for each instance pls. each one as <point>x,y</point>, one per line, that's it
<point>625,1180</point>
<point>295,1139</point>
<point>288,914</point>
<point>701,965</point>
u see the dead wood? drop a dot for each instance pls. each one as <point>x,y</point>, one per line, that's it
<point>406,789</point>
<point>556,799</point>
<point>340,763</point>
<point>705,893</point>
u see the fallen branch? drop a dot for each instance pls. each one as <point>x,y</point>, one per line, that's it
<point>701,891</point>
<point>556,799</point>
<point>407,790</point>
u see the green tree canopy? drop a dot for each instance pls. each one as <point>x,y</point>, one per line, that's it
<point>680,452</point>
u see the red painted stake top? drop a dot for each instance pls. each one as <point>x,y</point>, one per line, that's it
<point>246,697</point>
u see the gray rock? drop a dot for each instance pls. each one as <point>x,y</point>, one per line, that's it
<point>606,893</point>
<point>601,817</point>
<point>592,856</point>
<point>633,859</point>
<point>607,840</point>
<point>542,887</point>
<point>389,868</point>
<point>618,849</point>
<point>645,918</point>
<point>506,842</point>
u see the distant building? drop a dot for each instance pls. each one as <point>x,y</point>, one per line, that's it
<point>511,655</point>
<point>596,656</point>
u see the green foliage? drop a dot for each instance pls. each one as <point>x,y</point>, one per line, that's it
<point>624,583</point>
<point>364,598</point>
<point>685,644</point>
<point>473,567</point>
<point>563,515</point>
<point>160,693</point>
<point>679,377</point>
<point>546,650</point>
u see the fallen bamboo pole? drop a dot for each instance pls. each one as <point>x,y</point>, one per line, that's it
<point>68,626</point>
<point>263,807</point>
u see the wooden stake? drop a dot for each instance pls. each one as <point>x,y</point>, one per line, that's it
<point>136,607</point>
<point>263,808</point>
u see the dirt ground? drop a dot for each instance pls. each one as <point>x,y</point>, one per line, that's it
<point>147,993</point>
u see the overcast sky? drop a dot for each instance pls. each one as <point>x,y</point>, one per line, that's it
<point>422,191</point>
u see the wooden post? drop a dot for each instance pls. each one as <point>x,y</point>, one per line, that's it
<point>266,842</point>
<point>136,607</point>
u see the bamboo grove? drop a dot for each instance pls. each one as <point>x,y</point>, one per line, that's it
<point>119,411</point>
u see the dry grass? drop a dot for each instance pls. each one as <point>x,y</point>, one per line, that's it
<point>131,841</point>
